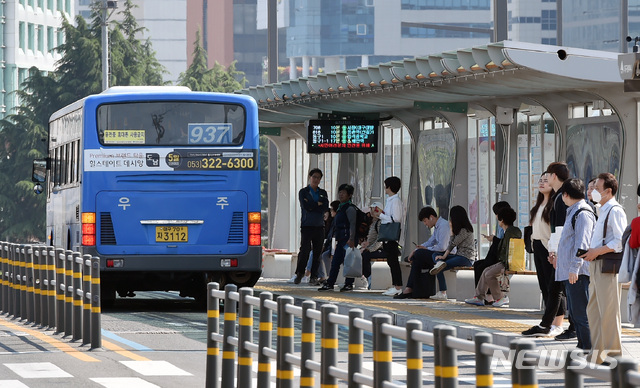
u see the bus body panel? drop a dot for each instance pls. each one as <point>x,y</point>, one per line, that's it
<point>221,199</point>
<point>210,222</point>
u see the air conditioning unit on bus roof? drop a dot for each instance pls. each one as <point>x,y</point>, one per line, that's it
<point>145,89</point>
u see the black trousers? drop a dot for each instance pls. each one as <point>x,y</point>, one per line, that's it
<point>310,236</point>
<point>392,251</point>
<point>544,269</point>
<point>422,259</point>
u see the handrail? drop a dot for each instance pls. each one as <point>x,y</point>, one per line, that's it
<point>521,355</point>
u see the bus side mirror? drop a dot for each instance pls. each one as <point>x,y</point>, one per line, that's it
<point>39,173</point>
<point>37,188</point>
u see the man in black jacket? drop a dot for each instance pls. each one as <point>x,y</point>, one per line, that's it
<point>314,202</point>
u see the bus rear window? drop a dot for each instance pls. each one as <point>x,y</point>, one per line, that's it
<point>171,123</point>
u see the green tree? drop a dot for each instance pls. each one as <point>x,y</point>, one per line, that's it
<point>23,132</point>
<point>199,77</point>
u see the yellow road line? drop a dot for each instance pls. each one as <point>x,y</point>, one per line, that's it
<point>121,351</point>
<point>82,356</point>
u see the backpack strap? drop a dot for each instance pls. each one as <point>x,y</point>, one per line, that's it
<point>575,216</point>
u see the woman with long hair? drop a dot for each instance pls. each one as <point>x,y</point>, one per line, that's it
<point>463,239</point>
<point>541,232</point>
<point>540,221</point>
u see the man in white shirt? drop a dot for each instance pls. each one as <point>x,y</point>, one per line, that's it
<point>603,310</point>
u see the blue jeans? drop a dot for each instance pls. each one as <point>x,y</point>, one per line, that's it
<point>577,300</point>
<point>321,274</point>
<point>452,262</point>
<point>336,262</point>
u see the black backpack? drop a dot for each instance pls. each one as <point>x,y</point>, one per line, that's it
<point>363,222</point>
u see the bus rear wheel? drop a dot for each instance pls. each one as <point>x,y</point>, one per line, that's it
<point>243,279</point>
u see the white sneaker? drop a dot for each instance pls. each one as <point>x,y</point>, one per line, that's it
<point>501,302</point>
<point>392,291</point>
<point>439,267</point>
<point>475,300</point>
<point>305,279</point>
<point>292,280</point>
<point>440,295</point>
<point>555,330</point>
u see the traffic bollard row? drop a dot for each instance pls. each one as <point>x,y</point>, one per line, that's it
<point>47,286</point>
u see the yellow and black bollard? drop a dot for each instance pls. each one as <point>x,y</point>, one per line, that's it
<point>382,357</point>
<point>264,340</point>
<point>329,343</point>
<point>245,335</point>
<point>484,375</point>
<point>414,355</point>
<point>308,343</point>
<point>213,350</point>
<point>229,331</point>
<point>284,372</point>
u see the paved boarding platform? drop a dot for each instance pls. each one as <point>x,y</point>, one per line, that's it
<point>504,323</point>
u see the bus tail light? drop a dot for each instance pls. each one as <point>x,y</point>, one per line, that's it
<point>229,263</point>
<point>88,229</point>
<point>255,239</point>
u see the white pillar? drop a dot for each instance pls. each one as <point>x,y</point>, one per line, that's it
<point>314,65</point>
<point>305,66</point>
<point>364,61</point>
<point>293,70</point>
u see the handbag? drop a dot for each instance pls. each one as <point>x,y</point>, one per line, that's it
<point>352,263</point>
<point>389,232</point>
<point>516,255</point>
<point>503,281</point>
<point>610,261</point>
<point>528,245</point>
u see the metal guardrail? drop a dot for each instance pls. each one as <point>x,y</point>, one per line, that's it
<point>225,370</point>
<point>52,288</point>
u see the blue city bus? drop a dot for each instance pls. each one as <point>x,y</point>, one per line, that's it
<point>161,183</point>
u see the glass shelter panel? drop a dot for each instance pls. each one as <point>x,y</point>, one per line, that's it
<point>482,179</point>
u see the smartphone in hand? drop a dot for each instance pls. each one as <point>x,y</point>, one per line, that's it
<point>581,252</point>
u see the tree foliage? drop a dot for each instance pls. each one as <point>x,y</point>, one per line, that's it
<point>78,74</point>
<point>199,77</point>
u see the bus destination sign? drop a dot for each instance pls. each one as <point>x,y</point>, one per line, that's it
<point>356,136</point>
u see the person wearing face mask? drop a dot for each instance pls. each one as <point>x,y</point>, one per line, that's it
<point>590,187</point>
<point>603,310</point>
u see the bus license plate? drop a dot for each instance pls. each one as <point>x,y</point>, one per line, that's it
<point>172,234</point>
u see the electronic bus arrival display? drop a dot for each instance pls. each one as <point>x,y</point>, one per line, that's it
<point>357,136</point>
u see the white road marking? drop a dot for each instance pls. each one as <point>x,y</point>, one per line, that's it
<point>123,382</point>
<point>37,370</point>
<point>11,384</point>
<point>155,368</point>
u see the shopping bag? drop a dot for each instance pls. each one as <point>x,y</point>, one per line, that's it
<point>389,232</point>
<point>352,263</point>
<point>516,254</point>
<point>503,281</point>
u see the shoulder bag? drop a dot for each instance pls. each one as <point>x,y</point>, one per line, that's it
<point>528,243</point>
<point>389,232</point>
<point>610,261</point>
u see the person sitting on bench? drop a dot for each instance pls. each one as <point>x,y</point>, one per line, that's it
<point>421,257</point>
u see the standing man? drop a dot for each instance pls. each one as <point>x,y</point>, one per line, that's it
<point>571,269</point>
<point>314,202</point>
<point>603,309</point>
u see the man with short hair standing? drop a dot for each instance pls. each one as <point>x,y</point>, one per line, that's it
<point>571,269</point>
<point>314,202</point>
<point>603,309</point>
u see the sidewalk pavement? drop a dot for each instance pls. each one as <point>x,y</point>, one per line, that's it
<point>504,323</point>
